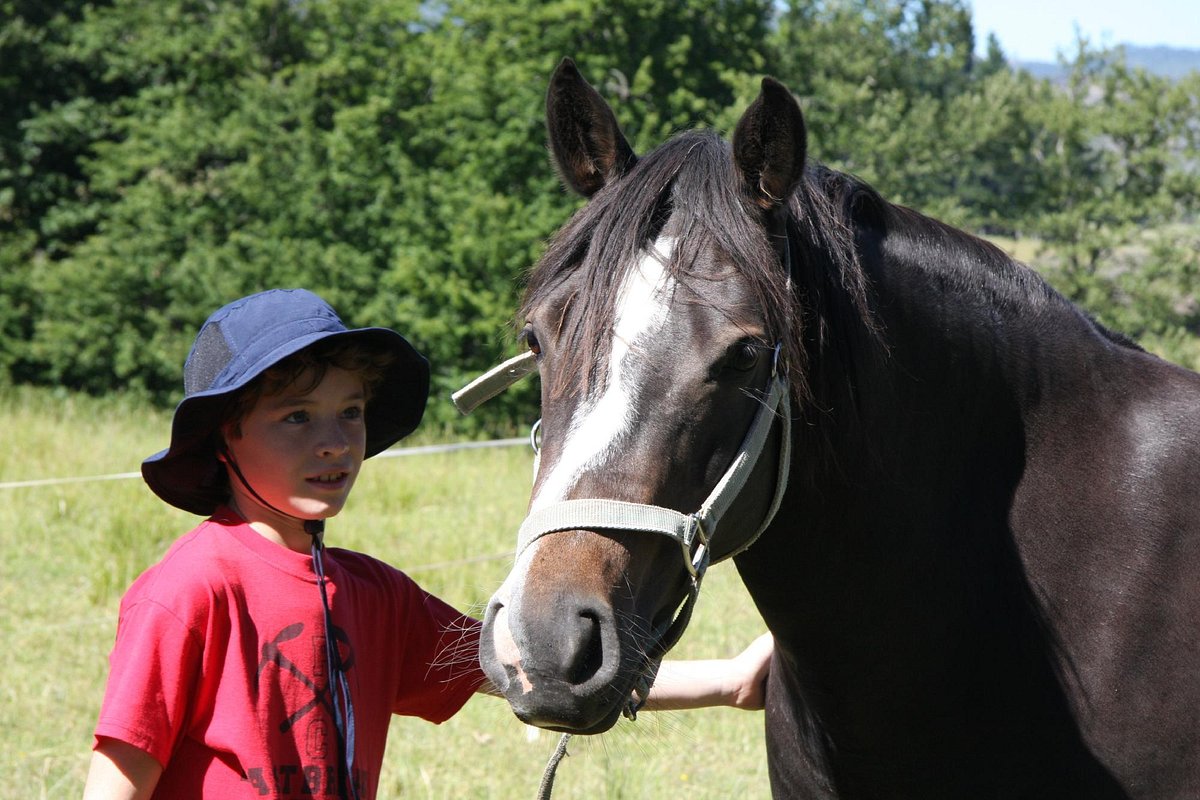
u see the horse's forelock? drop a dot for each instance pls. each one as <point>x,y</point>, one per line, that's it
<point>689,183</point>
<point>593,252</point>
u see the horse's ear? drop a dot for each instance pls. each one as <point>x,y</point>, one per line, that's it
<point>769,145</point>
<point>588,146</point>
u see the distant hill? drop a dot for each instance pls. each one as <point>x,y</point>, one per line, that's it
<point>1170,62</point>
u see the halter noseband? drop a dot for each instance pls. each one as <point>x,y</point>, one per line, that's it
<point>693,532</point>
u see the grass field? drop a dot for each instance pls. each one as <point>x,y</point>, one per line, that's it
<point>448,520</point>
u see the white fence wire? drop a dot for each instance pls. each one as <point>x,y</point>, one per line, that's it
<point>395,452</point>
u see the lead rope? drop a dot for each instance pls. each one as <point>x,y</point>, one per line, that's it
<point>547,785</point>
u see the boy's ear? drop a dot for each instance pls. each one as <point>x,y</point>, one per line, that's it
<point>222,437</point>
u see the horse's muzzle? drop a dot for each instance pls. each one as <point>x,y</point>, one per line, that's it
<point>557,662</point>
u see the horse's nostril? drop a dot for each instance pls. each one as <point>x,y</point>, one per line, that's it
<point>503,643</point>
<point>584,651</point>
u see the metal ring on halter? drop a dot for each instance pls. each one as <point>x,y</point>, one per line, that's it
<point>535,437</point>
<point>695,547</point>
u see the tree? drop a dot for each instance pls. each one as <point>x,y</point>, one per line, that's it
<point>887,88</point>
<point>157,160</point>
<point>490,195</point>
<point>222,174</point>
<point>1116,157</point>
<point>389,155</point>
<point>51,111</point>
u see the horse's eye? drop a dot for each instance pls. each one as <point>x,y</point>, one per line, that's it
<point>743,357</point>
<point>531,341</point>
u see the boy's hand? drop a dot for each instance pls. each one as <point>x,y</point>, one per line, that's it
<point>739,682</point>
<point>752,665</point>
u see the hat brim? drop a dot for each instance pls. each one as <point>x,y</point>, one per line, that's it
<point>188,475</point>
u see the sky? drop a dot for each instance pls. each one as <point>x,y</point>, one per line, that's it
<point>1035,30</point>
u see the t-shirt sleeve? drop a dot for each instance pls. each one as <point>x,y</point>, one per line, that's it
<point>441,659</point>
<point>152,669</point>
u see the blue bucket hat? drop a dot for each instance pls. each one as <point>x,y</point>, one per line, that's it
<point>240,341</point>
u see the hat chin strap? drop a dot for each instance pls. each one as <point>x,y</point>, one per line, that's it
<point>313,527</point>
<point>339,688</point>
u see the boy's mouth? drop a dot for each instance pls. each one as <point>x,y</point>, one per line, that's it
<point>330,478</point>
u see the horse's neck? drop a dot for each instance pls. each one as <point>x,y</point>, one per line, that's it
<point>971,516</point>
<point>916,439</point>
<point>919,431</point>
<point>966,334</point>
<point>903,512</point>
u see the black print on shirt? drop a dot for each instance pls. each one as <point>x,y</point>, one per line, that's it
<point>317,778</point>
<point>272,653</point>
<point>292,781</point>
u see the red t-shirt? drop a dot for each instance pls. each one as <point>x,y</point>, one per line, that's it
<point>219,666</point>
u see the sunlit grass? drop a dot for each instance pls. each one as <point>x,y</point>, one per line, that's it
<point>449,520</point>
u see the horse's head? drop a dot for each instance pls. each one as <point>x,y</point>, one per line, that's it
<point>657,316</point>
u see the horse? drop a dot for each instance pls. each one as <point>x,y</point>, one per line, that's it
<point>972,522</point>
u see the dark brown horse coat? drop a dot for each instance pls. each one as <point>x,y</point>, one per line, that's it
<point>984,581</point>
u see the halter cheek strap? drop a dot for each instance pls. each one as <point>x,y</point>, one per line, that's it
<point>694,532</point>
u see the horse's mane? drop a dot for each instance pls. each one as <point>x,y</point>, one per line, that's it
<point>978,268</point>
<point>691,181</point>
<point>973,265</point>
<point>836,224</point>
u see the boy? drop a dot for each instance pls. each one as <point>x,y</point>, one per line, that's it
<point>251,661</point>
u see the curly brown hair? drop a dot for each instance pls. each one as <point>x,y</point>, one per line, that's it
<point>309,365</point>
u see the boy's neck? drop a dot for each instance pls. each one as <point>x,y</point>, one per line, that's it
<point>273,526</point>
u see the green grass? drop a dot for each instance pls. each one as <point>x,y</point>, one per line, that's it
<point>449,520</point>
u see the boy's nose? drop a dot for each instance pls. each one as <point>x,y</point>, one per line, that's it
<point>332,449</point>
<point>334,441</point>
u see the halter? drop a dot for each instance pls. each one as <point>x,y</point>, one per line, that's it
<point>695,532</point>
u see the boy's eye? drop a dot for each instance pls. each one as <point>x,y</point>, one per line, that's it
<point>353,412</point>
<point>296,416</point>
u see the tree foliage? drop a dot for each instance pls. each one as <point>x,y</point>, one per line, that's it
<point>158,160</point>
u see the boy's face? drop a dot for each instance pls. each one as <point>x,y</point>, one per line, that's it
<point>301,451</point>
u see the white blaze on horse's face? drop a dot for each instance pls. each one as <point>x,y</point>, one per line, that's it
<point>601,420</point>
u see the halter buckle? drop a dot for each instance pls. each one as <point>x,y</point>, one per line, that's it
<point>695,547</point>
<point>535,437</point>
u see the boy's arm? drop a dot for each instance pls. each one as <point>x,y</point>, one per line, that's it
<point>120,771</point>
<point>739,682</point>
